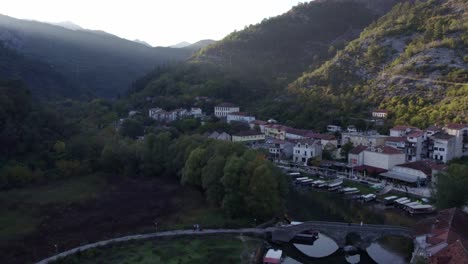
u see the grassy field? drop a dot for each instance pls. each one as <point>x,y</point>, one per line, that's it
<point>365,189</point>
<point>220,249</point>
<point>23,209</point>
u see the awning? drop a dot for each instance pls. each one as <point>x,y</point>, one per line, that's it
<point>401,176</point>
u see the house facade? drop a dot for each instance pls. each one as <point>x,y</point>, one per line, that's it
<point>380,113</point>
<point>258,123</point>
<point>401,131</point>
<point>363,139</point>
<point>224,109</point>
<point>442,147</point>
<point>248,136</point>
<point>460,131</point>
<point>306,149</point>
<point>239,117</point>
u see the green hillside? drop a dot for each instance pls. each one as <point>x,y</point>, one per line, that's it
<point>253,67</point>
<point>412,62</point>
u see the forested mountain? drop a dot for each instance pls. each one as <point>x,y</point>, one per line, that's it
<point>97,63</point>
<point>413,62</point>
<point>253,67</point>
<point>408,61</point>
<point>284,46</point>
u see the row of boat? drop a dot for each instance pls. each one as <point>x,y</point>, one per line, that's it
<point>412,207</point>
<point>334,185</point>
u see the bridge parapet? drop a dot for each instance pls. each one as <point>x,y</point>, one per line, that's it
<point>338,231</point>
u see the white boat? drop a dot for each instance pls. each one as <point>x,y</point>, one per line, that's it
<point>307,182</point>
<point>334,185</point>
<point>406,206</point>
<point>368,197</point>
<point>298,180</point>
<point>317,183</point>
<point>421,209</point>
<point>402,203</point>
<point>389,200</point>
<point>294,174</point>
<point>349,190</point>
<point>272,256</point>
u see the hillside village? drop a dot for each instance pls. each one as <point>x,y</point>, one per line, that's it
<point>408,155</point>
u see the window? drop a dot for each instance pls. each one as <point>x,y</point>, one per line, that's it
<point>436,148</point>
<point>441,149</point>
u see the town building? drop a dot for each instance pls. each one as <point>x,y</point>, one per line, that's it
<point>275,131</point>
<point>383,157</point>
<point>280,149</point>
<point>294,133</point>
<point>460,131</point>
<point>324,139</point>
<point>364,139</point>
<point>442,147</point>
<point>239,117</point>
<point>196,112</point>
<point>223,136</point>
<point>258,123</point>
<point>396,142</point>
<point>401,131</point>
<point>333,128</point>
<point>443,238</point>
<point>415,146</point>
<point>415,173</point>
<point>248,136</point>
<point>306,149</point>
<point>222,110</point>
<point>380,113</point>
<point>356,155</point>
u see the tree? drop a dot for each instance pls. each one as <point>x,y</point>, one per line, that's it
<point>450,188</point>
<point>346,148</point>
<point>191,174</point>
<point>131,128</point>
<point>211,179</point>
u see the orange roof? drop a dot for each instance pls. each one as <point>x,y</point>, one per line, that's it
<point>456,126</point>
<point>455,253</point>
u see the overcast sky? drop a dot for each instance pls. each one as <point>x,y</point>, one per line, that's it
<point>158,22</point>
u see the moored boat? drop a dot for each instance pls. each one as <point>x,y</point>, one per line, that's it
<point>273,256</point>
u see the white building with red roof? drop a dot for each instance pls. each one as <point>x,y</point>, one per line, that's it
<point>380,113</point>
<point>401,131</point>
<point>222,110</point>
<point>460,131</point>
<point>239,117</point>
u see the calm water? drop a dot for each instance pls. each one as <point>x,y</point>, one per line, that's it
<point>305,205</point>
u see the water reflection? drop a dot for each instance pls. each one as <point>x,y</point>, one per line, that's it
<point>324,206</point>
<point>322,247</point>
<point>382,255</point>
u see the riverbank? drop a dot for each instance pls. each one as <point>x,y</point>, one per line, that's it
<point>200,250</point>
<point>79,211</point>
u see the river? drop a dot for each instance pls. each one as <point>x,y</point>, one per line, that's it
<point>309,205</point>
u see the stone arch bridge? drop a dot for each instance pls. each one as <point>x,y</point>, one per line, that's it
<point>339,231</point>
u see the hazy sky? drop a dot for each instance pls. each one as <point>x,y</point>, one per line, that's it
<point>158,22</point>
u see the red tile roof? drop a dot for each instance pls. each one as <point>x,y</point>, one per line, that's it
<point>385,150</point>
<point>456,126</point>
<point>395,139</point>
<point>455,253</point>
<point>416,134</point>
<point>403,128</point>
<point>357,150</point>
<point>321,136</point>
<point>425,166</point>
<point>448,226</point>
<point>295,131</point>
<point>248,133</point>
